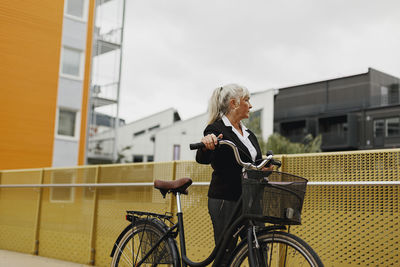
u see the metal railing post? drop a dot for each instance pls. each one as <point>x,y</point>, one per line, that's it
<point>283,161</point>
<point>92,237</point>
<point>38,215</point>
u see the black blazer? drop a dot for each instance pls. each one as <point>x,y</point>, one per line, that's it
<point>226,177</point>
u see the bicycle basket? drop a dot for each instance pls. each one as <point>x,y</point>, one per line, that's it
<point>274,197</point>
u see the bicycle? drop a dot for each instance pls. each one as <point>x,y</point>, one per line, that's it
<point>273,197</point>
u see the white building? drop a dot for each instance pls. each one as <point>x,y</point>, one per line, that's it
<point>172,142</point>
<point>164,137</point>
<point>135,141</point>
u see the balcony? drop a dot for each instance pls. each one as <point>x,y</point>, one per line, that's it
<point>335,141</point>
<point>103,95</point>
<point>101,150</point>
<point>338,133</point>
<point>107,41</point>
<point>295,131</point>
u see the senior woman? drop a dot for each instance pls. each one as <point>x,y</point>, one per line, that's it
<point>228,106</point>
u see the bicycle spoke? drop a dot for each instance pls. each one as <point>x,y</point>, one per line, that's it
<point>132,248</point>
<point>283,250</point>
<point>272,249</point>
<point>125,257</point>
<point>285,255</point>
<point>140,244</point>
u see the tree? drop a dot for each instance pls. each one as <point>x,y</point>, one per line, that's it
<point>281,145</point>
<point>278,143</point>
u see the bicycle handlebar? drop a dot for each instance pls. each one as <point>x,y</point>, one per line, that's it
<point>197,146</point>
<point>247,165</point>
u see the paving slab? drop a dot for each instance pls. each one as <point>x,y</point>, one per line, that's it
<point>16,259</point>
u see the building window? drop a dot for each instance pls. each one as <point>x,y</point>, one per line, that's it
<point>177,152</point>
<point>154,127</point>
<point>333,125</point>
<point>384,95</point>
<point>150,158</point>
<point>67,124</point>
<point>294,131</point>
<point>137,158</point>
<point>394,94</point>
<point>139,133</point>
<point>379,126</point>
<point>392,127</point>
<point>76,9</point>
<point>72,62</point>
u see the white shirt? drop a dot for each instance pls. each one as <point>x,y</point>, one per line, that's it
<point>243,138</point>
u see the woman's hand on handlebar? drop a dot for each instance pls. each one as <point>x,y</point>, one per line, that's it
<point>210,141</point>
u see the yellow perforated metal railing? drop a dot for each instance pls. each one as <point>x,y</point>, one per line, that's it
<point>347,225</point>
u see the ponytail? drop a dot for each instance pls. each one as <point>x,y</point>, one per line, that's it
<point>218,104</point>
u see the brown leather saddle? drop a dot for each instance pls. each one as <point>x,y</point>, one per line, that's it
<point>178,186</point>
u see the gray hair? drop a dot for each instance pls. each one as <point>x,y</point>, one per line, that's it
<point>218,105</point>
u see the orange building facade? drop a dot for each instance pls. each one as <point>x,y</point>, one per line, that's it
<point>45,50</point>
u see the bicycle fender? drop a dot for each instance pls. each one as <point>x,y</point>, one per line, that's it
<point>119,239</point>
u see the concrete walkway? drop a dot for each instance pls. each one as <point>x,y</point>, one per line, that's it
<point>15,259</point>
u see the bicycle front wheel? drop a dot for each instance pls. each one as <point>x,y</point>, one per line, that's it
<point>138,241</point>
<point>278,249</point>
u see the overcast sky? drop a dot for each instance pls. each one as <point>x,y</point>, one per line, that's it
<point>177,51</point>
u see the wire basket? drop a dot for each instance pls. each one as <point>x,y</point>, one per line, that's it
<point>274,197</point>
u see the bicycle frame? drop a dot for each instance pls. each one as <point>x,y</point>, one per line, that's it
<point>218,251</point>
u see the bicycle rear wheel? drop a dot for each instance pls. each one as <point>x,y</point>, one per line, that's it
<point>278,249</point>
<point>139,239</point>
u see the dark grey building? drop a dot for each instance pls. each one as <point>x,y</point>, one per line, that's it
<point>355,112</point>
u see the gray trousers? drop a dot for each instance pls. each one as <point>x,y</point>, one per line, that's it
<point>220,211</point>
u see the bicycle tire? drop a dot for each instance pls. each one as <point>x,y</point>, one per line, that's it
<point>278,249</point>
<point>138,239</point>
